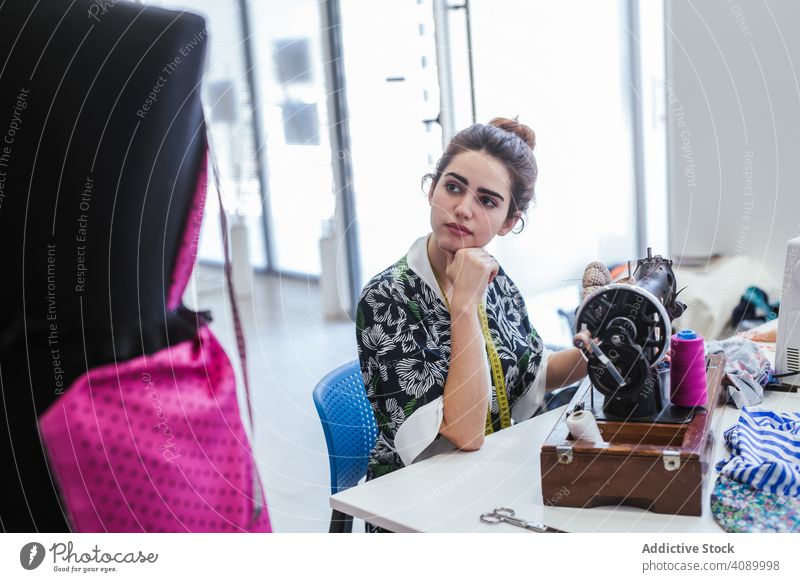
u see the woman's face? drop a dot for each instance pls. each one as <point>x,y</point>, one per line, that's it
<point>470,203</point>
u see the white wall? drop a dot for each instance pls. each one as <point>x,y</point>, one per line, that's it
<point>733,102</point>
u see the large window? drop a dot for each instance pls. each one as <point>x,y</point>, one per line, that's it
<point>563,67</point>
<point>393,101</point>
<point>286,41</point>
<point>288,82</point>
<point>227,101</point>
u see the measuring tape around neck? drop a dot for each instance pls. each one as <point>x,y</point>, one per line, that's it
<point>495,366</point>
<point>497,371</point>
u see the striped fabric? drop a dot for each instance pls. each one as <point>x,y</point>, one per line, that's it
<point>764,451</point>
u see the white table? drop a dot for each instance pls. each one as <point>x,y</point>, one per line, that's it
<point>448,492</point>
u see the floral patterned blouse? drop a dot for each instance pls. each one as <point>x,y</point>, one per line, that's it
<point>403,336</point>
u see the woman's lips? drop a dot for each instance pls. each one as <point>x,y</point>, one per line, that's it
<point>458,230</point>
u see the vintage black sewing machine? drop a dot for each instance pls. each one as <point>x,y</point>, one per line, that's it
<point>633,324</point>
<point>650,453</point>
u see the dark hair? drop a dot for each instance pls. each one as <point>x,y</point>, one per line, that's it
<point>510,142</point>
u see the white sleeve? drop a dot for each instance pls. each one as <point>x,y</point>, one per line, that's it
<point>527,404</point>
<point>419,430</point>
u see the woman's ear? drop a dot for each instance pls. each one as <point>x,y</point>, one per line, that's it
<point>509,224</point>
<point>430,192</point>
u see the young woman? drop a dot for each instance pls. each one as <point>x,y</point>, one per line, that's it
<point>446,349</point>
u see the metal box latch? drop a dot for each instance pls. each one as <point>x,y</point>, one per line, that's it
<point>672,459</point>
<point>564,454</point>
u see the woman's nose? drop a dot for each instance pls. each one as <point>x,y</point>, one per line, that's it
<point>464,208</point>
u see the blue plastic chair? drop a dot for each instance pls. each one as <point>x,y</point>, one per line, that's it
<point>350,431</point>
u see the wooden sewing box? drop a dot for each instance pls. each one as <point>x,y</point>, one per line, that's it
<point>658,466</point>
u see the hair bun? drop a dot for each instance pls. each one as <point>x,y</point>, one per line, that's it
<point>521,130</point>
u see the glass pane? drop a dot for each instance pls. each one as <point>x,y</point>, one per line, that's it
<point>291,84</point>
<point>563,68</point>
<point>392,94</point>
<point>226,98</point>
<point>654,118</point>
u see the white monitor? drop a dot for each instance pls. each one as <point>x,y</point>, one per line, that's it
<point>787,355</point>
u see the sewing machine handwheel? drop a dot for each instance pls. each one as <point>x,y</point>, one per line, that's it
<point>629,361</point>
<point>630,312</point>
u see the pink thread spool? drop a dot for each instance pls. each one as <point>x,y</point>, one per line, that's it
<point>687,376</point>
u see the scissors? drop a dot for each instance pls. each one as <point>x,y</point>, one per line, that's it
<point>506,515</point>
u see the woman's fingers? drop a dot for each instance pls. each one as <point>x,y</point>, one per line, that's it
<point>478,258</point>
<point>450,257</point>
<point>584,338</point>
<point>495,268</point>
<point>471,271</point>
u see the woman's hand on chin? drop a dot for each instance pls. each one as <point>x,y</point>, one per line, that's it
<point>471,270</point>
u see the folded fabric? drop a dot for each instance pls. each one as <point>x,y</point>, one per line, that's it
<point>747,369</point>
<point>743,389</point>
<point>740,508</point>
<point>764,451</point>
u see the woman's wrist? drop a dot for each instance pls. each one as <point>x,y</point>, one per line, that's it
<point>464,305</point>
<point>459,309</point>
<point>564,368</point>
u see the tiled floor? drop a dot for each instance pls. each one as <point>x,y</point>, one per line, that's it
<point>290,347</point>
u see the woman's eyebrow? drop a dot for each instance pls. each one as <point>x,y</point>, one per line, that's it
<point>482,190</point>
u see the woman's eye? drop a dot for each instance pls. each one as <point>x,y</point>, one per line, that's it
<point>488,201</point>
<point>452,187</point>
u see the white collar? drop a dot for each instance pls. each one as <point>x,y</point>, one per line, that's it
<point>419,262</point>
